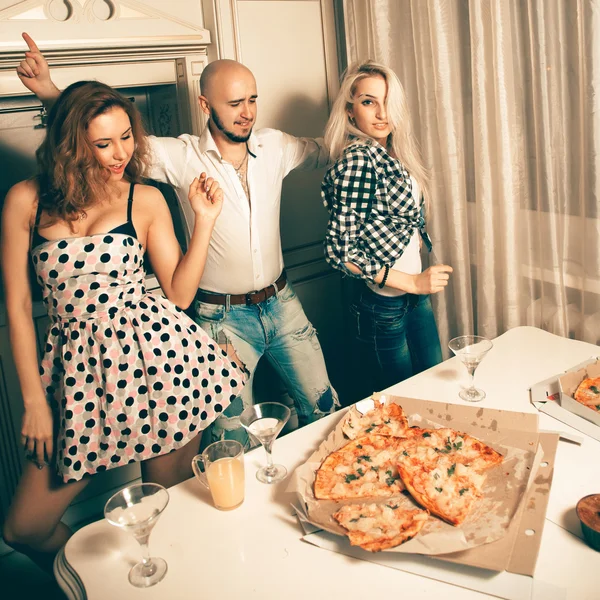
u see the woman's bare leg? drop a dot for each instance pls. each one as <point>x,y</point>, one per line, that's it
<point>33,524</point>
<point>173,468</point>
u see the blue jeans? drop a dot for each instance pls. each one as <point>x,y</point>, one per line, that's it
<point>278,329</point>
<point>396,336</point>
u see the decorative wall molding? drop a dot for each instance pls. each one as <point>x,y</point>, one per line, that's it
<point>56,24</point>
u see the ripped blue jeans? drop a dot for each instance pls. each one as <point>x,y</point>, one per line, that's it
<point>278,329</point>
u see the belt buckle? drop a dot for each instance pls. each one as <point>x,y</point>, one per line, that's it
<point>248,299</point>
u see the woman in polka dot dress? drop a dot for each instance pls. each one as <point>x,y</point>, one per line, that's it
<point>125,375</point>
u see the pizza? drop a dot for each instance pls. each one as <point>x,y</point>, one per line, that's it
<point>376,527</point>
<point>447,489</point>
<point>443,470</point>
<point>588,393</point>
<point>424,446</point>
<point>363,468</point>
<point>385,419</point>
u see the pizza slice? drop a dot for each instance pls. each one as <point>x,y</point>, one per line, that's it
<point>363,468</point>
<point>384,419</point>
<point>376,527</point>
<point>425,446</point>
<point>588,393</point>
<point>447,489</point>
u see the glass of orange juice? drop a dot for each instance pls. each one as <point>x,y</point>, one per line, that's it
<point>223,464</point>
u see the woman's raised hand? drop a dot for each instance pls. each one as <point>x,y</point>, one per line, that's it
<point>34,73</point>
<point>432,280</point>
<point>206,197</point>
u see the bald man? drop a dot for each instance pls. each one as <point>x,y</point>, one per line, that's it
<point>245,301</point>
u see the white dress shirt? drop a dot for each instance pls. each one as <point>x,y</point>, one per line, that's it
<point>245,248</point>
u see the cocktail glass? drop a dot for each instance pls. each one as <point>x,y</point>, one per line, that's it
<point>471,349</point>
<point>264,421</point>
<point>136,509</point>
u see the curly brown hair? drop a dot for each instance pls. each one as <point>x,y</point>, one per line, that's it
<point>70,178</point>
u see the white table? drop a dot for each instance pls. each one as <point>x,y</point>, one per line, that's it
<point>255,551</point>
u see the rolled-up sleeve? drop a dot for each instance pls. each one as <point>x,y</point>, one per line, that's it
<point>362,230</point>
<point>168,159</point>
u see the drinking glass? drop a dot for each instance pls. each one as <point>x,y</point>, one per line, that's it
<point>136,509</point>
<point>471,349</point>
<point>264,421</point>
<point>223,464</point>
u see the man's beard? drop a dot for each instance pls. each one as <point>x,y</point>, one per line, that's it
<point>229,134</point>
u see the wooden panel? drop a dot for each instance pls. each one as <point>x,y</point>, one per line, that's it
<point>10,464</point>
<point>293,96</point>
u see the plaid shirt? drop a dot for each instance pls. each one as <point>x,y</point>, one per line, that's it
<point>373,214</point>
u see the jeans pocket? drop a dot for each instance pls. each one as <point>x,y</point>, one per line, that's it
<point>381,318</point>
<point>209,312</point>
<point>287,293</point>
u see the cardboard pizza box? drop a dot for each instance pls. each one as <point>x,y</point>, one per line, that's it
<point>517,550</point>
<point>569,382</point>
<point>551,397</point>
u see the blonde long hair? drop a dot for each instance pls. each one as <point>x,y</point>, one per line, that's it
<point>340,132</point>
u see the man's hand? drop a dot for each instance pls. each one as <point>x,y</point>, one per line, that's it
<point>432,280</point>
<point>34,73</point>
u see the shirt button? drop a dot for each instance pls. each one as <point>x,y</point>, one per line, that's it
<point>258,277</point>
<point>255,251</point>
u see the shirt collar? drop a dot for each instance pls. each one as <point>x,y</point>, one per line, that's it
<point>206,143</point>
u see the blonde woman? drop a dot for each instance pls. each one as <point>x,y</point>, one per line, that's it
<point>376,193</point>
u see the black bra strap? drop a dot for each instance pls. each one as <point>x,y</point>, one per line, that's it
<point>38,215</point>
<point>130,202</point>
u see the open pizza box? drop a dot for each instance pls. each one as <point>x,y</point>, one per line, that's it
<point>554,396</point>
<point>525,482</point>
<point>568,384</point>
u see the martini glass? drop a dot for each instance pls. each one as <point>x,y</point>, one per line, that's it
<point>136,509</point>
<point>264,421</point>
<point>471,349</point>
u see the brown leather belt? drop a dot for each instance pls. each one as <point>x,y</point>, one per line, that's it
<point>249,299</point>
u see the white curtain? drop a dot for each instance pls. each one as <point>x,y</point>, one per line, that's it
<point>503,96</point>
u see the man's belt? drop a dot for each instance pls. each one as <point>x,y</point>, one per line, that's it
<point>249,299</point>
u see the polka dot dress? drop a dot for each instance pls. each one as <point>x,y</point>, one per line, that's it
<point>128,374</point>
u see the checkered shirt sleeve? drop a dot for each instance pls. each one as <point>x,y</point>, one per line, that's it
<point>372,212</point>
